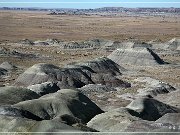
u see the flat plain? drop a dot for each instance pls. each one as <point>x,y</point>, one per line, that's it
<point>17,25</point>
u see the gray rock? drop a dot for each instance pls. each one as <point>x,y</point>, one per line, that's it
<point>63,102</point>
<point>12,95</point>
<point>44,88</point>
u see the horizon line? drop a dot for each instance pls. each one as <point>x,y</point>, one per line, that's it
<point>92,2</point>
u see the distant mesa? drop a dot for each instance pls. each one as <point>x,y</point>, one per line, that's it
<point>136,56</point>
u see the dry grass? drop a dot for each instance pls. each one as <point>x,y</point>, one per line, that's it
<point>16,25</point>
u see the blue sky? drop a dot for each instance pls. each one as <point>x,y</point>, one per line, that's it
<point>89,3</point>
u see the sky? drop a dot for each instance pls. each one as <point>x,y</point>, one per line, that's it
<point>84,4</point>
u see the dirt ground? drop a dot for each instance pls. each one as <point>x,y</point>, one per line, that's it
<point>17,25</point>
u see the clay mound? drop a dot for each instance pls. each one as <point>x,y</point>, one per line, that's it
<point>66,77</point>
<point>102,65</point>
<point>17,124</point>
<point>115,120</point>
<point>99,71</point>
<point>174,44</point>
<point>12,95</point>
<point>151,109</point>
<point>171,98</point>
<point>64,102</point>
<point>8,66</point>
<point>136,56</point>
<point>14,112</point>
<point>171,118</point>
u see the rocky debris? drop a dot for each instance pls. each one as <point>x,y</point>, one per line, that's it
<point>161,88</point>
<point>154,87</point>
<point>12,95</point>
<point>151,109</point>
<point>98,88</point>
<point>89,44</point>
<point>14,112</point>
<point>41,43</point>
<point>8,66</point>
<point>13,53</point>
<point>136,56</point>
<point>147,127</point>
<point>53,41</point>
<point>99,71</point>
<point>63,102</point>
<point>26,42</point>
<point>44,88</point>
<point>112,121</point>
